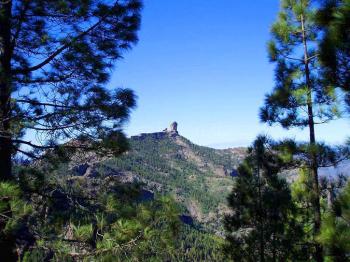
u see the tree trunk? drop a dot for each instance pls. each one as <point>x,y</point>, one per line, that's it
<point>5,90</point>
<point>262,242</point>
<point>313,157</point>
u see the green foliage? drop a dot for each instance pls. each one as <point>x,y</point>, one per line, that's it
<point>198,245</point>
<point>57,58</point>
<point>302,195</point>
<point>82,232</point>
<point>334,19</point>
<point>111,224</point>
<point>180,168</point>
<point>335,231</point>
<point>13,209</point>
<point>33,256</point>
<point>262,221</point>
<point>98,218</point>
<point>301,96</point>
<point>301,187</point>
<point>14,215</point>
<point>293,47</point>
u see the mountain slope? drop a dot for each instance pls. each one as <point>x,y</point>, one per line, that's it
<point>198,177</point>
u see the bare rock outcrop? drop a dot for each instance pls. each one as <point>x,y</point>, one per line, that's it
<point>172,129</point>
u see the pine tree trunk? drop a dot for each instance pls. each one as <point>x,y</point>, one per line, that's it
<point>262,242</point>
<point>314,164</point>
<point>7,243</point>
<point>5,90</point>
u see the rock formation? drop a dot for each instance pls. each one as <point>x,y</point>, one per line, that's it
<point>172,129</point>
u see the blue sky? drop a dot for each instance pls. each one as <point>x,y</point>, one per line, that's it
<point>203,63</point>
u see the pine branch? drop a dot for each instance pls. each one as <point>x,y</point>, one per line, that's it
<point>19,141</point>
<point>62,48</point>
<point>19,26</point>
<point>30,155</point>
<point>53,128</point>
<point>45,80</point>
<point>28,143</point>
<point>292,58</point>
<point>312,57</point>
<point>37,103</point>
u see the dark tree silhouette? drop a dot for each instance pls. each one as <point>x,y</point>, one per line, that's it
<point>55,60</point>
<point>261,225</point>
<point>334,19</point>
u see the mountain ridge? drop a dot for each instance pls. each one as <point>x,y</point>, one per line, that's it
<point>199,178</point>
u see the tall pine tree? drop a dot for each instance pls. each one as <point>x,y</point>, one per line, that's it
<point>300,99</point>
<point>55,60</point>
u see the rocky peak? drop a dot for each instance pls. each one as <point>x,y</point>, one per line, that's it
<point>172,128</point>
<point>171,131</point>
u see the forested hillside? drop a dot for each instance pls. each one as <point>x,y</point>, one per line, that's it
<point>164,198</point>
<point>198,178</point>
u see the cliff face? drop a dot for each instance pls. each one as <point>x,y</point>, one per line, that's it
<point>199,178</point>
<point>168,132</point>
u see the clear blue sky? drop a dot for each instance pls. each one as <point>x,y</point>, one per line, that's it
<point>203,63</point>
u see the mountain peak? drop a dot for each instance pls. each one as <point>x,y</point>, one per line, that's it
<point>171,131</point>
<point>172,128</point>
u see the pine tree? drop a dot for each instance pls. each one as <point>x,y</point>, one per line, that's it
<point>300,99</point>
<point>94,220</point>
<point>334,19</point>
<point>55,59</point>
<point>14,213</point>
<point>302,199</point>
<point>335,230</point>
<point>261,224</point>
